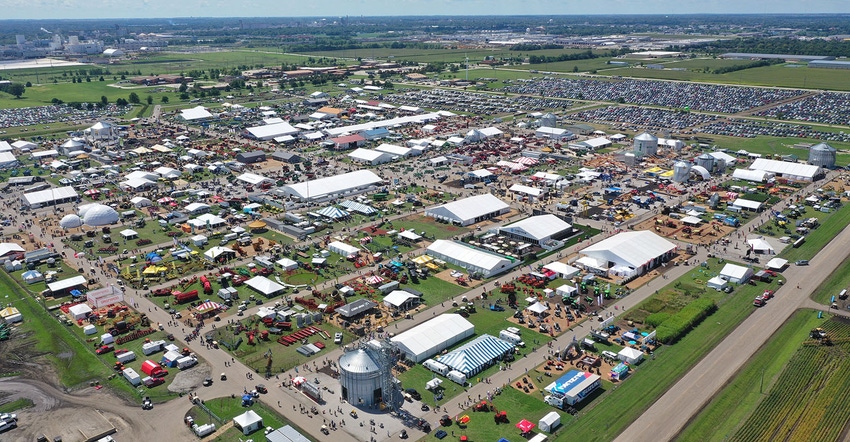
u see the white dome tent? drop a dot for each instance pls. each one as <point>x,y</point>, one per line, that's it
<point>82,209</point>
<point>101,131</point>
<point>70,222</point>
<point>100,215</point>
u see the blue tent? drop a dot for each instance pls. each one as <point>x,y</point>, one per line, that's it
<point>153,257</point>
<point>75,293</point>
<point>247,400</point>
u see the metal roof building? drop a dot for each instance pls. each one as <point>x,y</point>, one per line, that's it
<point>332,186</point>
<point>470,210</point>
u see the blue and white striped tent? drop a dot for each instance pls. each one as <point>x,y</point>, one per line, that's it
<point>358,207</point>
<point>333,212</point>
<point>477,355</point>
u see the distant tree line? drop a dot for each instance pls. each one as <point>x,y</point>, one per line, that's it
<point>741,67</point>
<point>583,55</point>
<point>535,47</point>
<point>835,48</point>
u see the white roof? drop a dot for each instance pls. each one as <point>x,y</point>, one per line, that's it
<point>264,285</point>
<point>562,268</point>
<point>533,191</point>
<point>480,173</point>
<point>393,149</point>
<point>548,176</point>
<point>537,227</point>
<point>490,132</point>
<point>432,336</point>
<point>747,204</point>
<point>466,254</point>
<point>341,248</point>
<point>630,248</point>
<point>398,297</point>
<point>195,113</point>
<point>717,281</point>
<point>332,185</point>
<point>537,307</point>
<point>733,271</point>
<point>167,171</point>
<point>776,263</point>
<point>410,234</point>
<point>252,178</point>
<point>207,218</point>
<point>369,155</point>
<point>79,309</point>
<point>135,183</point>
<point>196,206</point>
<point>758,176</point>
<point>631,353</point>
<point>129,232</point>
<point>49,195</point>
<point>691,220</point>
<point>270,131</point>
<point>9,247</point>
<point>215,251</point>
<point>141,174</point>
<point>421,118</point>
<point>45,153</point>
<point>728,159</point>
<point>785,168</point>
<point>23,144</point>
<point>759,244</point>
<point>247,419</point>
<point>7,157</point>
<point>67,283</point>
<point>597,142</point>
<point>551,131</point>
<point>5,146</point>
<point>468,209</point>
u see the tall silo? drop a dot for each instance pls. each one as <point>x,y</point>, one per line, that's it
<point>366,377</point>
<point>645,144</point>
<point>822,155</point>
<point>681,172</point>
<point>705,160</point>
<point>549,120</point>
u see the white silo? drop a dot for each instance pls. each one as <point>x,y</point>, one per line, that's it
<point>646,144</point>
<point>366,377</point>
<point>629,159</point>
<point>707,161</point>
<point>681,172</point>
<point>822,155</point>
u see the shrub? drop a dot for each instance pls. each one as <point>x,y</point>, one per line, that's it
<point>680,323</point>
<point>656,319</point>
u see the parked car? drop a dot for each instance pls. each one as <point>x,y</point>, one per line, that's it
<point>758,302</point>
<point>147,404</point>
<point>337,338</point>
<point>413,393</point>
<point>802,262</point>
<point>153,382</point>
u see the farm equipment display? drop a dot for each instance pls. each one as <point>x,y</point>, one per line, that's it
<point>183,298</point>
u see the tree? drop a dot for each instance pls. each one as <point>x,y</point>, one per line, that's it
<point>121,102</point>
<point>149,99</point>
<point>29,84</point>
<point>183,96</point>
<point>164,99</point>
<point>104,100</point>
<point>16,89</point>
<point>183,87</point>
<point>134,98</point>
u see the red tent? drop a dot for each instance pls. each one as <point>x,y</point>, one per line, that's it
<point>525,426</point>
<point>149,367</point>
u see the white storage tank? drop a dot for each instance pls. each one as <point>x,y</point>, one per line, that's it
<point>822,155</point>
<point>548,120</point>
<point>681,172</point>
<point>645,144</point>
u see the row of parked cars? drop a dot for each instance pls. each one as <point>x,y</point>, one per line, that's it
<point>8,421</point>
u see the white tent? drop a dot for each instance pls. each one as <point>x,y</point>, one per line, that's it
<point>549,422</point>
<point>472,259</point>
<point>563,270</point>
<point>11,315</point>
<point>566,290</point>
<point>100,215</point>
<point>631,253</point>
<point>70,221</point>
<point>287,264</point>
<point>470,210</point>
<point>630,355</point>
<point>265,286</point>
<point>400,299</point>
<point>759,245</point>
<point>140,201</point>
<point>431,337</point>
<point>248,422</point>
<point>79,311</point>
<point>217,251</point>
<point>341,248</point>
<point>736,274</point>
<point>717,283</point>
<point>776,263</point>
<point>537,308</point>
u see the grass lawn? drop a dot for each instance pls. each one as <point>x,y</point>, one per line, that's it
<point>432,229</point>
<point>226,408</point>
<point>736,401</point>
<point>17,404</point>
<point>816,239</point>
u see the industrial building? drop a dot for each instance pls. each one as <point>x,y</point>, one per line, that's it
<point>366,376</point>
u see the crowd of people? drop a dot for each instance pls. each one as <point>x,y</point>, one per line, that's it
<point>680,95</point>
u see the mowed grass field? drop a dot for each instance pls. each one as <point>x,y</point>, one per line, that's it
<point>43,94</point>
<point>782,75</point>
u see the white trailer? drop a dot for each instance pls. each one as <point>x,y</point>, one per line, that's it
<point>132,377</point>
<point>126,357</point>
<point>512,338</point>
<point>186,362</point>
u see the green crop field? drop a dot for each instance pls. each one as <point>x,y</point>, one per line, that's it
<point>725,413</point>
<point>807,402</point>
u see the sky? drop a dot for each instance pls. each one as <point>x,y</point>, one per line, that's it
<point>76,9</point>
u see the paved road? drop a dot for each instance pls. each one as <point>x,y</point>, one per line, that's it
<point>672,412</point>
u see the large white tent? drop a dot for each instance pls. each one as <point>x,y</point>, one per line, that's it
<point>271,131</point>
<point>369,156</point>
<point>265,286</point>
<point>431,337</point>
<point>627,253</point>
<point>470,210</point>
<point>472,259</point>
<point>736,274</point>
<point>333,186</point>
<point>50,196</point>
<point>341,248</point>
<point>195,114</point>
<point>785,169</point>
<point>537,229</point>
<point>100,215</point>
